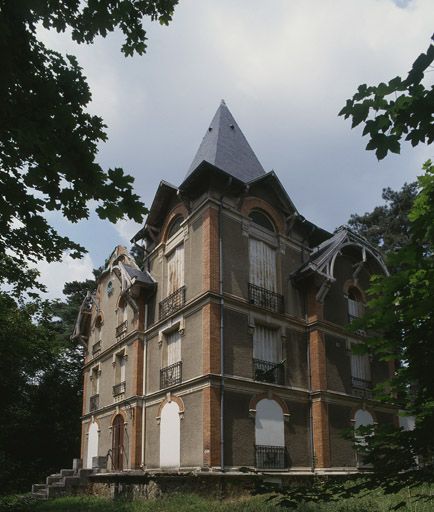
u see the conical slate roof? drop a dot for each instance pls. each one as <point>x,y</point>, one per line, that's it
<point>225,146</point>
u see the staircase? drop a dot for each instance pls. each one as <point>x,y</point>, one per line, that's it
<point>65,483</point>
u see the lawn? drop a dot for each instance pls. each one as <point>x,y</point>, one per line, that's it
<point>361,495</point>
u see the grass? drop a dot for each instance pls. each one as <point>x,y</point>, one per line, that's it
<point>360,495</point>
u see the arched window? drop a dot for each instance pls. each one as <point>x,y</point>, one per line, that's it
<point>92,444</point>
<point>262,219</point>
<point>269,435</point>
<point>362,418</point>
<point>170,436</point>
<point>175,226</point>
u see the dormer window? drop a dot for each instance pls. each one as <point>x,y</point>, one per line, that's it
<point>175,226</point>
<point>262,219</point>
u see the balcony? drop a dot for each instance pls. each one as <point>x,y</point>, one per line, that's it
<point>171,375</point>
<point>172,303</point>
<point>93,403</point>
<point>265,371</point>
<point>96,348</point>
<point>120,388</point>
<point>121,329</point>
<point>270,457</point>
<point>361,388</point>
<point>265,298</point>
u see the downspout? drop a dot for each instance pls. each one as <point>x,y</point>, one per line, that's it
<point>222,352</point>
<point>145,355</point>
<point>312,456</point>
<point>222,364</point>
<point>309,379</point>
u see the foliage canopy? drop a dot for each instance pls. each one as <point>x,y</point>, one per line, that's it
<point>400,109</point>
<point>48,139</point>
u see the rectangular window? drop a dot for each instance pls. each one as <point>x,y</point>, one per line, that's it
<point>175,269</point>
<point>262,265</point>
<point>267,345</point>
<point>95,381</point>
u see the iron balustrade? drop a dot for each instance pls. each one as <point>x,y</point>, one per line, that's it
<point>93,403</point>
<point>172,303</point>
<point>361,388</point>
<point>118,389</point>
<point>121,328</point>
<point>270,457</point>
<point>265,298</point>
<point>171,375</point>
<point>266,371</point>
<point>96,348</point>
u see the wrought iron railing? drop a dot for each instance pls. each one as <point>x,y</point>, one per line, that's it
<point>265,371</point>
<point>361,388</point>
<point>121,328</point>
<point>172,303</point>
<point>96,348</point>
<point>270,457</point>
<point>265,298</point>
<point>93,403</point>
<point>119,388</point>
<point>171,375</point>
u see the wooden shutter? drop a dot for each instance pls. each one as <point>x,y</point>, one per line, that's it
<point>175,269</point>
<point>262,265</point>
<point>360,367</point>
<point>173,341</point>
<point>356,309</point>
<point>267,345</point>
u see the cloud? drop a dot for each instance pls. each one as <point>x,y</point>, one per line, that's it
<point>126,230</point>
<point>285,69</point>
<point>55,275</point>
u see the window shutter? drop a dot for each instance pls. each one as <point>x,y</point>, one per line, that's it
<point>360,367</point>
<point>173,341</point>
<point>122,368</point>
<point>262,265</point>
<point>175,269</point>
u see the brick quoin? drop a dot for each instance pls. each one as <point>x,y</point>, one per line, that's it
<point>210,251</point>
<point>211,338</point>
<point>136,438</point>
<point>317,354</point>
<point>321,437</point>
<point>211,427</point>
<point>137,370</point>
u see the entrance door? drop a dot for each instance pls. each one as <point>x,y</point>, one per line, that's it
<point>118,443</point>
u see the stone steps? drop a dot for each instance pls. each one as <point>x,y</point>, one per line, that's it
<point>64,483</point>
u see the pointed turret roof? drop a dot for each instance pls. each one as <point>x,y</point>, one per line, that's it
<point>225,146</point>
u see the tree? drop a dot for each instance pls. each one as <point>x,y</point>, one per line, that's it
<point>48,140</point>
<point>401,310</point>
<point>388,227</point>
<point>400,109</point>
<point>40,372</point>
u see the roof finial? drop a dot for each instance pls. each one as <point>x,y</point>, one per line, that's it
<point>223,102</point>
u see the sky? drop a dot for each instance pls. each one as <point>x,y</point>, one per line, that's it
<point>284,67</point>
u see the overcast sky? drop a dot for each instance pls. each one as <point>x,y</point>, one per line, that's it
<point>285,69</point>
